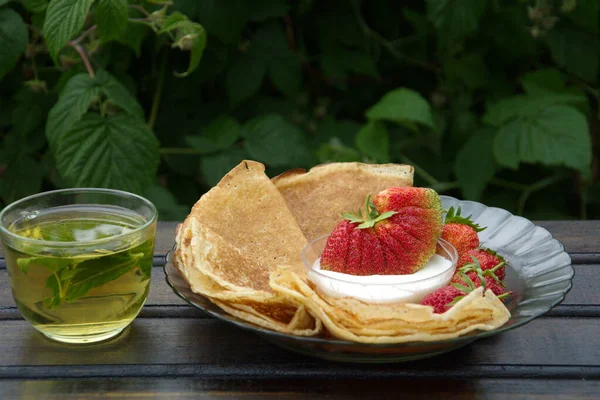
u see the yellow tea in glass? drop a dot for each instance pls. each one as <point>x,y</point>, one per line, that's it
<point>79,260</point>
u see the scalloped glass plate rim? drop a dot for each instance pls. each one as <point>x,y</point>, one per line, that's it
<point>223,316</point>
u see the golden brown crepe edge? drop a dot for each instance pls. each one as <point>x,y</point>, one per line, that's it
<point>297,174</point>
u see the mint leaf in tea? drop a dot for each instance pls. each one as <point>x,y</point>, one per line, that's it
<point>86,268</point>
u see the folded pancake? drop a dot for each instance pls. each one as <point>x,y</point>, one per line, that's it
<point>247,211</point>
<point>233,239</point>
<point>317,198</point>
<point>351,319</point>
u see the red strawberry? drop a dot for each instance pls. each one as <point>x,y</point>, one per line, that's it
<point>487,258</point>
<point>443,299</point>
<point>466,279</point>
<point>396,235</point>
<point>490,283</point>
<point>473,272</point>
<point>496,287</point>
<point>460,231</point>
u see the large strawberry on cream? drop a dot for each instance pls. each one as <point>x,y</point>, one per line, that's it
<point>396,234</point>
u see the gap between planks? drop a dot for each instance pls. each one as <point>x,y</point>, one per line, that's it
<point>185,311</point>
<point>299,371</point>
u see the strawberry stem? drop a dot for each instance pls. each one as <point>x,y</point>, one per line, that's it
<point>475,266</point>
<point>504,295</point>
<point>370,217</point>
<point>453,217</point>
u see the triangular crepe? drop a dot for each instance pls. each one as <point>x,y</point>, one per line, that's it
<point>248,212</point>
<point>236,234</point>
<point>318,197</point>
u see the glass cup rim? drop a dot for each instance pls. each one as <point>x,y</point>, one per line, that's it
<point>447,246</point>
<point>51,243</point>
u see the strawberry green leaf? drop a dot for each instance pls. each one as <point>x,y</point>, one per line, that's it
<point>367,224</point>
<point>460,287</point>
<point>354,218</point>
<point>370,217</point>
<point>454,301</point>
<point>453,217</point>
<point>385,215</point>
<point>467,279</point>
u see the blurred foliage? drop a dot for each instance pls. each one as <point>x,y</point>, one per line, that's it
<point>491,101</point>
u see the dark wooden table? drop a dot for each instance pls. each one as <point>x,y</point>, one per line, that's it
<point>174,351</point>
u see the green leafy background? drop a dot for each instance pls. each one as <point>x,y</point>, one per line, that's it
<point>490,101</point>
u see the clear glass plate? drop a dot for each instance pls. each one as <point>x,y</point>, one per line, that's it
<point>539,275</point>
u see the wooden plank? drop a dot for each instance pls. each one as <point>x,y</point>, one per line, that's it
<point>584,292</point>
<point>165,237</point>
<point>194,388</point>
<point>577,236</point>
<point>170,346</point>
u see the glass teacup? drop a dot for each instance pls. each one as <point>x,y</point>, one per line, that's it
<point>79,260</point>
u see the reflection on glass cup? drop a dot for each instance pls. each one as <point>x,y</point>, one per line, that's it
<point>79,260</point>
